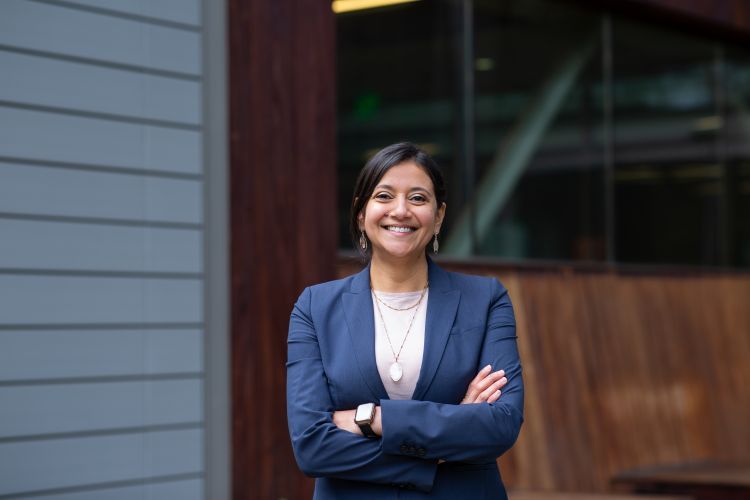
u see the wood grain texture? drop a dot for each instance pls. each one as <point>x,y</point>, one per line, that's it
<point>283,202</point>
<point>624,369</point>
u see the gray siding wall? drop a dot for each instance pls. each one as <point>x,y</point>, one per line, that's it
<point>101,250</point>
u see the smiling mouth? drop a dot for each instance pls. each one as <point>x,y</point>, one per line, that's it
<point>400,229</point>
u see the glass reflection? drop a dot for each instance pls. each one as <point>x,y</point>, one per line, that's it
<point>737,155</point>
<point>666,125</point>
<point>539,191</point>
<point>646,160</point>
<point>398,79</point>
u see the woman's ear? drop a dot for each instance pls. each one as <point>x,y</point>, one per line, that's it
<point>360,215</point>
<point>440,217</point>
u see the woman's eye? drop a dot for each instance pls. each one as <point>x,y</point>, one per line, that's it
<point>418,198</point>
<point>382,196</point>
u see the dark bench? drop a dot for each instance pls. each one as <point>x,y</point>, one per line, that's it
<point>543,495</point>
<point>706,480</point>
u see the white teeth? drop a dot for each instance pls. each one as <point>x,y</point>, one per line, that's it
<point>400,229</point>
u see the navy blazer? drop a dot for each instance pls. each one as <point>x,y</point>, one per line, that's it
<point>331,366</point>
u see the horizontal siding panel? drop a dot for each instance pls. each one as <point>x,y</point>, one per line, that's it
<point>94,141</point>
<point>43,81</point>
<point>81,300</point>
<point>72,32</point>
<point>42,191</point>
<point>26,244</point>
<point>60,463</point>
<point>43,354</point>
<point>58,408</point>
<point>190,489</point>
<point>178,11</point>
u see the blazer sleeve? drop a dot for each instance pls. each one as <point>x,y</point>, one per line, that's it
<point>321,448</point>
<point>454,432</point>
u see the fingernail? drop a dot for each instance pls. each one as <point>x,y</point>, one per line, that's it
<point>488,367</point>
<point>501,372</point>
<point>503,380</point>
<point>498,393</point>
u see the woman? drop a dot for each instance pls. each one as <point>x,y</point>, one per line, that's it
<point>394,375</point>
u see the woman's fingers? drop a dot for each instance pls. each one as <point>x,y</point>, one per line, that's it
<point>491,390</point>
<point>494,397</point>
<point>472,391</point>
<point>484,385</point>
<point>481,375</point>
<point>487,382</point>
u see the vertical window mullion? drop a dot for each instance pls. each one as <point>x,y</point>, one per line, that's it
<point>468,103</point>
<point>724,215</point>
<point>609,169</point>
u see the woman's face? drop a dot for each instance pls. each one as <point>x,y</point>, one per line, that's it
<point>402,215</point>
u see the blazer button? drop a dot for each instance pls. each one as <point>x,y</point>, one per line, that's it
<point>421,452</point>
<point>404,448</point>
<point>412,450</point>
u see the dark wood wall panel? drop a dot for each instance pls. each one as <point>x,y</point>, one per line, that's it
<point>625,369</point>
<point>283,213</point>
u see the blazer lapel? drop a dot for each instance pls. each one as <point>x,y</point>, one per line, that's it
<point>359,317</point>
<point>442,306</point>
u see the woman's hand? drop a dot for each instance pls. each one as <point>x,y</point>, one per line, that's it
<point>344,420</point>
<point>485,388</point>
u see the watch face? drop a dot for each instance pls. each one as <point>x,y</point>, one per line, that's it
<point>364,413</point>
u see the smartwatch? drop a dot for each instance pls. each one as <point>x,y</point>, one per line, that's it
<point>363,417</point>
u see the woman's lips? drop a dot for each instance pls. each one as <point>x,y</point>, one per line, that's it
<point>399,229</point>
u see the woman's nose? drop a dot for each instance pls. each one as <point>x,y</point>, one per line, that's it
<point>400,208</point>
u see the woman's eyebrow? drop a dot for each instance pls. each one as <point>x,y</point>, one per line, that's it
<point>391,188</point>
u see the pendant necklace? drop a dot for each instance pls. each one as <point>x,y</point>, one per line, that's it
<point>396,371</point>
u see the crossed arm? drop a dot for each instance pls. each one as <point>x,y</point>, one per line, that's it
<point>485,388</point>
<point>327,443</point>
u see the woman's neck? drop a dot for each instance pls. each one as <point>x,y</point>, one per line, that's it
<point>388,275</point>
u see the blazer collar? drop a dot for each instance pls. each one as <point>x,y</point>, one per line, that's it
<point>359,317</point>
<point>441,312</point>
<point>442,306</point>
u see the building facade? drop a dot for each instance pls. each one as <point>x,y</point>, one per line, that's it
<point>174,172</point>
<point>108,178</point>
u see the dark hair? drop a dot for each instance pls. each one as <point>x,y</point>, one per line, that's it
<point>375,169</point>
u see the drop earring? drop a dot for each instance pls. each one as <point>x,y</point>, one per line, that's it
<point>362,241</point>
<point>435,244</point>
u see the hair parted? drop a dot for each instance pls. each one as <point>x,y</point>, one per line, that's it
<point>375,169</point>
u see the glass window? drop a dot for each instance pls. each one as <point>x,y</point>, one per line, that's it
<point>398,80</point>
<point>590,136</point>
<point>666,124</point>
<point>736,151</point>
<point>539,186</point>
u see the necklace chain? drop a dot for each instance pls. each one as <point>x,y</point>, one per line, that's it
<point>411,321</point>
<point>386,304</point>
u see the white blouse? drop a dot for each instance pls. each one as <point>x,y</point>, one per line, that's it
<point>397,322</point>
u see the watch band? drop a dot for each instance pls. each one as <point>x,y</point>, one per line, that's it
<point>367,430</point>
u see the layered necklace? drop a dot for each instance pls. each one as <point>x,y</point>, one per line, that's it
<point>396,371</point>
